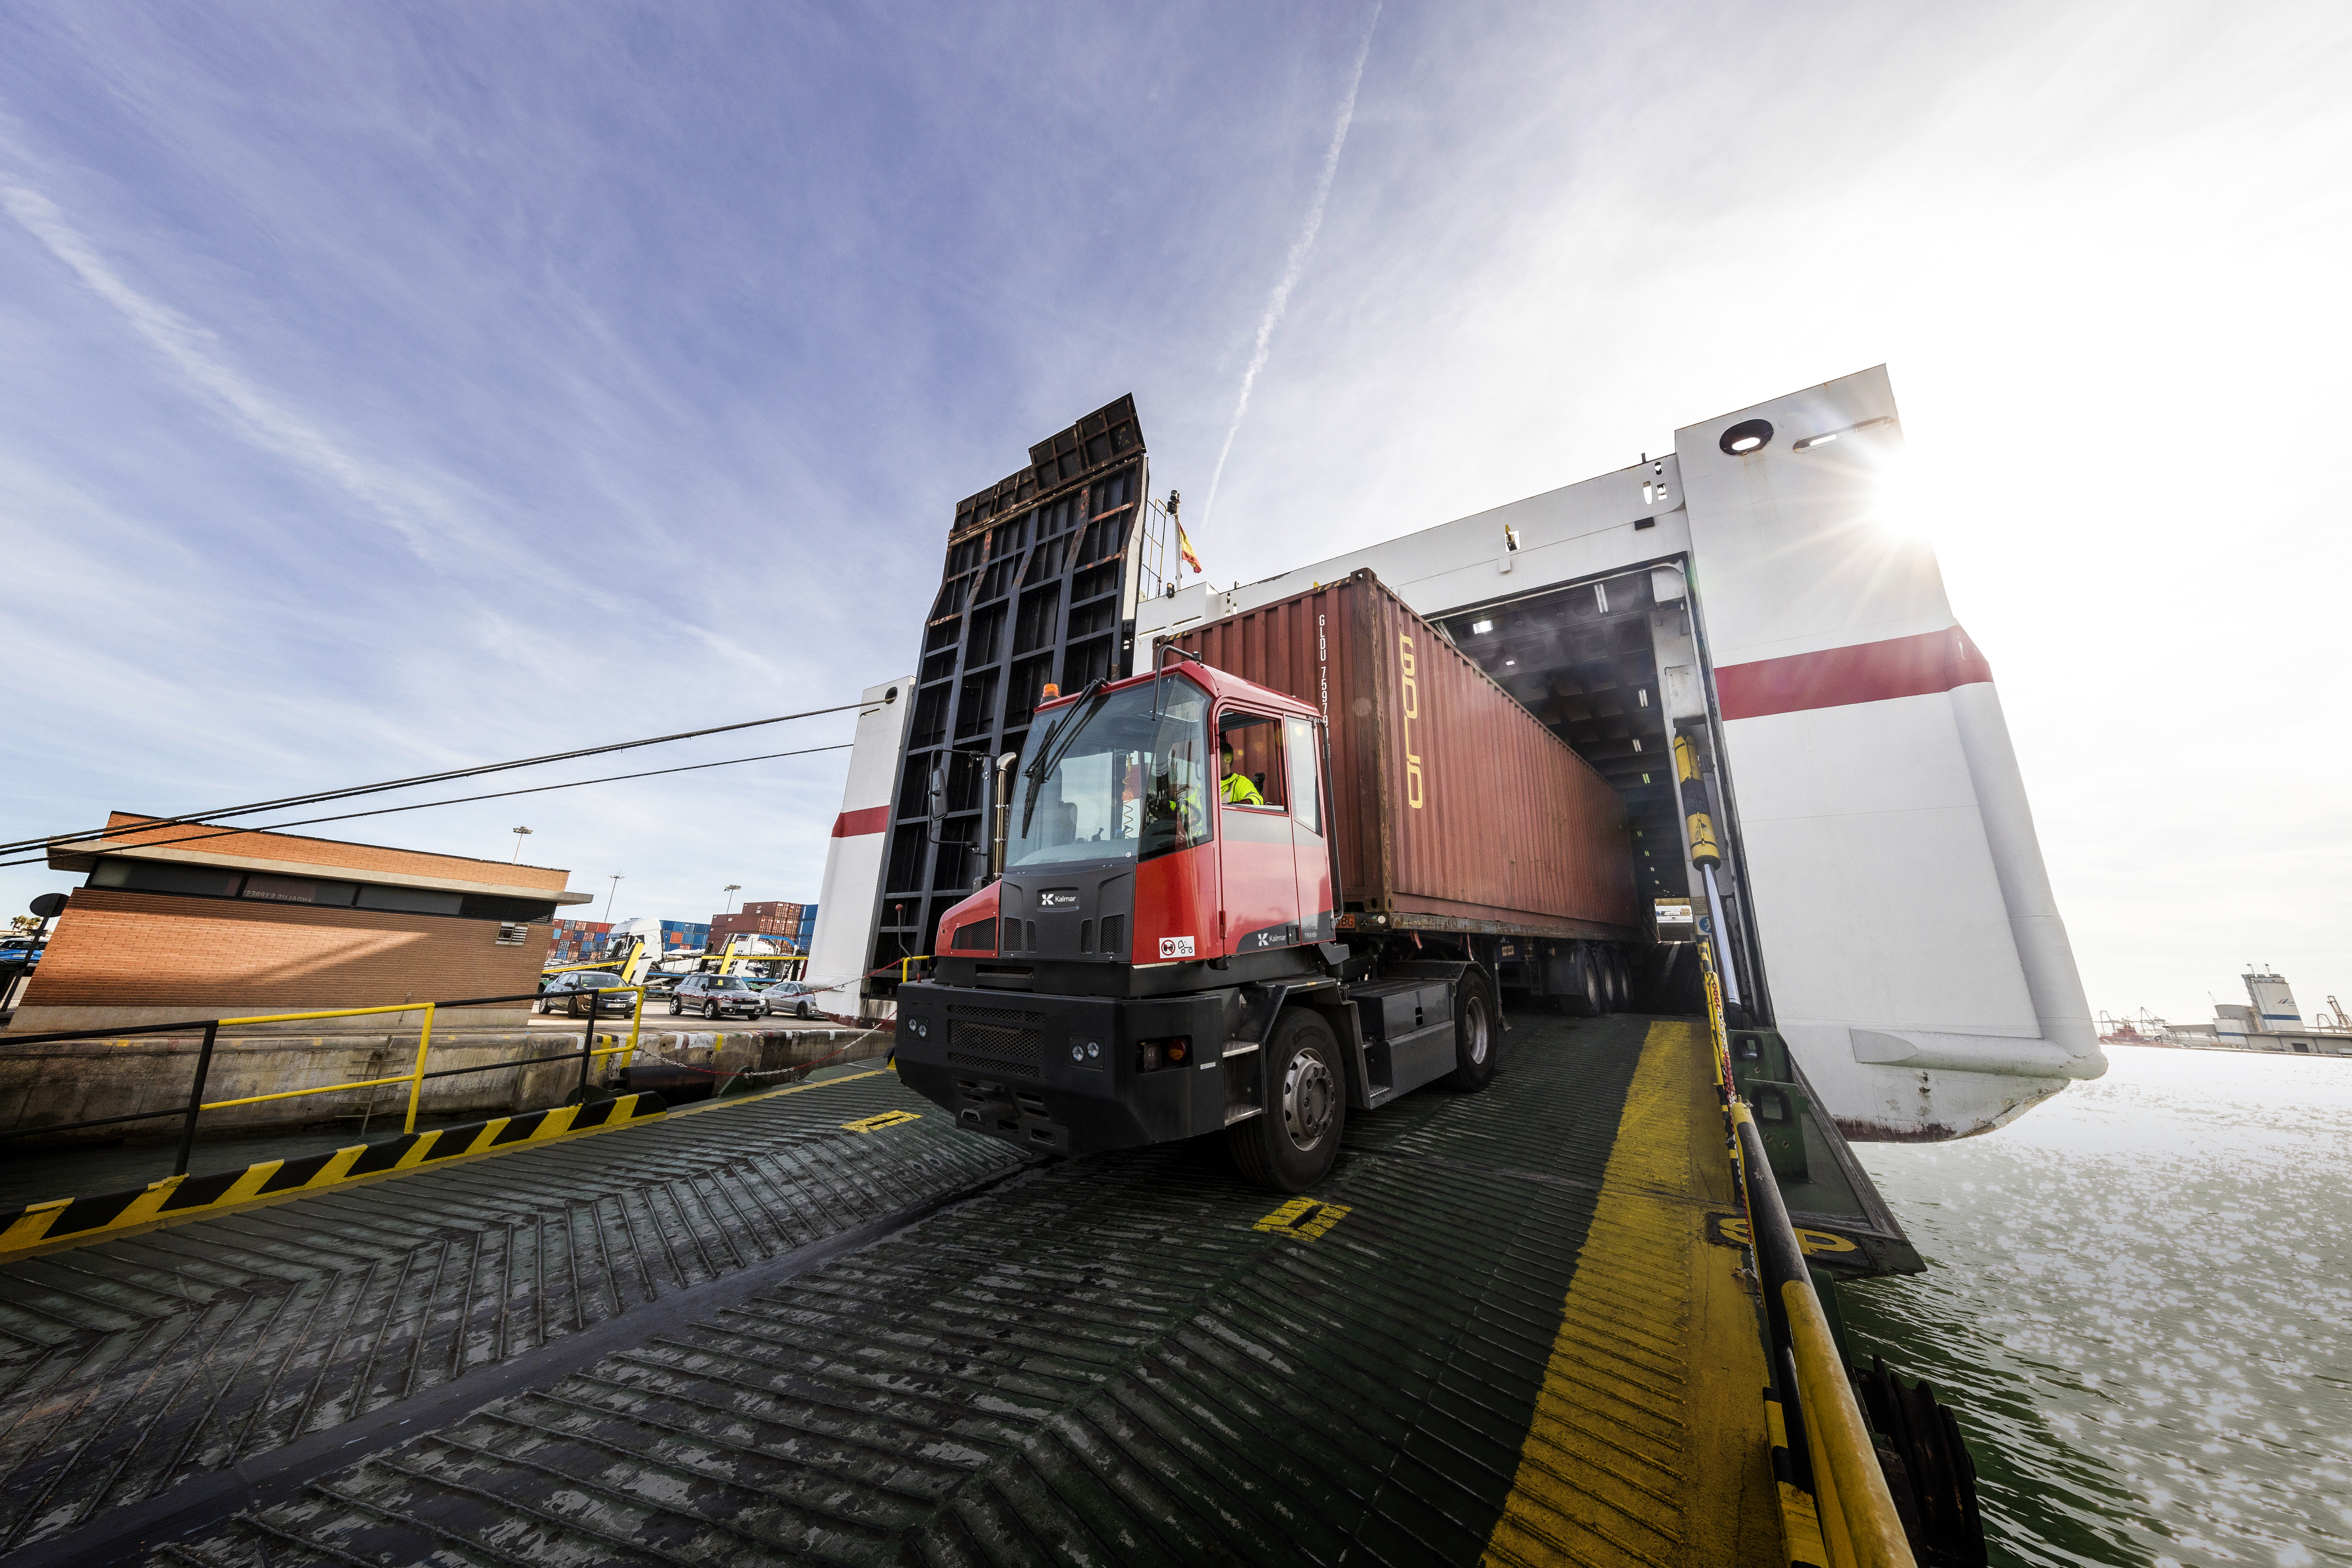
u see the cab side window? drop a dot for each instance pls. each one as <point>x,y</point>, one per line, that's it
<point>1304,803</point>
<point>1250,747</point>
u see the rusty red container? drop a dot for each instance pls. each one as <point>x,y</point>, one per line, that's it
<point>1454,807</point>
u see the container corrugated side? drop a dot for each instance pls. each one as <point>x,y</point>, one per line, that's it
<point>1451,800</point>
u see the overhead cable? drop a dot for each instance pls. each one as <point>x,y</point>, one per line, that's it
<point>294,800</point>
<point>459,800</point>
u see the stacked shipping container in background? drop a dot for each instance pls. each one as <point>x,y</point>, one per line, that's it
<point>578,942</point>
<point>789,924</point>
<point>592,942</point>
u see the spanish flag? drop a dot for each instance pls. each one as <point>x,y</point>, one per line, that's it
<point>1184,543</point>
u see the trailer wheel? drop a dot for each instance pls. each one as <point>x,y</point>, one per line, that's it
<point>1290,1145</point>
<point>1590,1000</point>
<point>1474,1037</point>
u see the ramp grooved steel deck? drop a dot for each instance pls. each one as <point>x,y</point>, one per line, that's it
<point>1108,1364</point>
<point>1489,1347</point>
<point>136,1361</point>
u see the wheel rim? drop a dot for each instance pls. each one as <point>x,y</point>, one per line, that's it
<point>1474,1024</point>
<point>710,1010</point>
<point>1308,1100</point>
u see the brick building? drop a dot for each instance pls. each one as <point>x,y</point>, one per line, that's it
<point>222,922</point>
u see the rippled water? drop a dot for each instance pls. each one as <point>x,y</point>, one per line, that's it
<point>2139,1305</point>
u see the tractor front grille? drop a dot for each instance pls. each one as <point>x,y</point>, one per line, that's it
<point>996,1039</point>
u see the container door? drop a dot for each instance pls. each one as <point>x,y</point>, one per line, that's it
<point>1310,849</point>
<point>1260,877</point>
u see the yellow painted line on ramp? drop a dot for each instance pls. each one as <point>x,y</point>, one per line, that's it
<point>1648,1443</point>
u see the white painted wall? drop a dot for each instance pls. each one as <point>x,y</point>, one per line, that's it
<point>1563,534</point>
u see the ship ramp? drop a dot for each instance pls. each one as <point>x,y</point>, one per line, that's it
<point>821,1324</point>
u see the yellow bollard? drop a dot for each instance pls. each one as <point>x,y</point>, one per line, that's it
<point>417,1078</point>
<point>636,1021</point>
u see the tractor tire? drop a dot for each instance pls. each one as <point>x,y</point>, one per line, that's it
<point>1292,1143</point>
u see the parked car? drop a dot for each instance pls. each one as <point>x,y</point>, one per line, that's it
<point>716,996</point>
<point>791,997</point>
<point>569,991</point>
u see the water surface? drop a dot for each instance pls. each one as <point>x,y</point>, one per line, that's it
<point>2139,1303</point>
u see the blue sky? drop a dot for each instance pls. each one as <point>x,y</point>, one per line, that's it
<point>395,388</point>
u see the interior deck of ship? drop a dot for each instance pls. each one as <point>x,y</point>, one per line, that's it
<point>796,1327</point>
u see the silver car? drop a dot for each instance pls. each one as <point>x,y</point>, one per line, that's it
<point>715,997</point>
<point>791,997</point>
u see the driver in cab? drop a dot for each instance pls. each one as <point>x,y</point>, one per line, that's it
<point>1235,787</point>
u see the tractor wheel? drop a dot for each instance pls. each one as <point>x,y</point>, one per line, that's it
<point>1291,1144</point>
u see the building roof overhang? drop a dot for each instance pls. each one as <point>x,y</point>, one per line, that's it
<point>85,856</point>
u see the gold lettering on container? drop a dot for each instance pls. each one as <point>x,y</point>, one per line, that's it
<point>1413,785</point>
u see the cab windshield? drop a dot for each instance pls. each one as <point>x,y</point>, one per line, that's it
<point>1122,775</point>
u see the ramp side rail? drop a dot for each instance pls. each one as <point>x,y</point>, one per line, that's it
<point>1832,1452</point>
<point>196,1105</point>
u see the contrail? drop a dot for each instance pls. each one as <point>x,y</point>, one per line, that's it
<point>1279,301</point>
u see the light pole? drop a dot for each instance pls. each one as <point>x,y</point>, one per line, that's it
<point>520,833</point>
<point>617,880</point>
<point>732,890</point>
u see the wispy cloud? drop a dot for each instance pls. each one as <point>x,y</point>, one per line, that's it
<point>1295,265</point>
<point>423,519</point>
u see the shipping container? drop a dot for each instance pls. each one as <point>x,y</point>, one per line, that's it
<point>1454,808</point>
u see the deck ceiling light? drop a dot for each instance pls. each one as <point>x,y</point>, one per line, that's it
<point>1480,629</point>
<point>1748,435</point>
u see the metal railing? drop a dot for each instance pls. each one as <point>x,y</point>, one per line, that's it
<point>416,1077</point>
<point>1831,1449</point>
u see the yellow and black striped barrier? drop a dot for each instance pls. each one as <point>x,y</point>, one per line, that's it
<point>73,1221</point>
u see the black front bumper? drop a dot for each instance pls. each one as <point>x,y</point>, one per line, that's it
<point>1064,1074</point>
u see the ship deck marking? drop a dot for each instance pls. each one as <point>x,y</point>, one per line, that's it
<point>1308,1217</point>
<point>875,1123</point>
